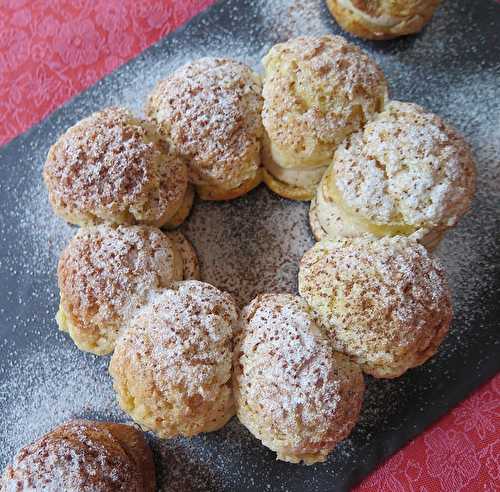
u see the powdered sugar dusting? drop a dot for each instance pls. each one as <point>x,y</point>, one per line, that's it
<point>254,245</point>
<point>172,366</point>
<point>98,159</point>
<point>180,356</point>
<point>209,110</point>
<point>106,168</point>
<point>291,391</point>
<point>106,273</point>
<point>51,383</point>
<point>385,302</point>
<point>77,456</point>
<point>281,343</point>
<point>417,170</point>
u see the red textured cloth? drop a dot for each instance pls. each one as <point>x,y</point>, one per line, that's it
<point>52,49</point>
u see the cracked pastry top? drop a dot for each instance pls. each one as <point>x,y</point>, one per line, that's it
<point>384,302</point>
<point>112,167</point>
<point>406,172</point>
<point>209,111</point>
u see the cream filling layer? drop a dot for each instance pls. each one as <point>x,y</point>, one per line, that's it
<point>286,159</point>
<point>337,219</point>
<point>300,177</point>
<point>332,220</point>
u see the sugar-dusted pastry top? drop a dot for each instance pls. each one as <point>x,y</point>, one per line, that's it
<point>106,272</point>
<point>407,167</point>
<point>83,456</point>
<point>291,390</point>
<point>317,91</point>
<point>382,19</point>
<point>209,111</point>
<point>385,302</point>
<point>111,167</point>
<point>172,366</point>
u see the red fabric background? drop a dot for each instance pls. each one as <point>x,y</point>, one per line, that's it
<point>52,49</point>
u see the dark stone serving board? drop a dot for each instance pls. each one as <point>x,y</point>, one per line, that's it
<point>452,68</point>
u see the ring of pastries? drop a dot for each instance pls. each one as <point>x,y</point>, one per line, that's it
<point>112,167</point>
<point>82,455</point>
<point>107,272</point>
<point>317,91</point>
<point>382,19</point>
<point>383,176</point>
<point>291,390</point>
<point>172,367</point>
<point>384,302</point>
<point>406,171</point>
<point>209,112</point>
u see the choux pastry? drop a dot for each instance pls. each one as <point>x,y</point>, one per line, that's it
<point>172,366</point>
<point>317,91</point>
<point>112,168</point>
<point>291,390</point>
<point>83,456</point>
<point>407,173</point>
<point>384,302</point>
<point>209,112</point>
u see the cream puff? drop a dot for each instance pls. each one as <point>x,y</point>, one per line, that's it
<point>291,390</point>
<point>384,302</point>
<point>83,456</point>
<point>107,272</point>
<point>172,366</point>
<point>382,19</point>
<point>209,111</point>
<point>112,168</point>
<point>317,91</point>
<point>407,173</point>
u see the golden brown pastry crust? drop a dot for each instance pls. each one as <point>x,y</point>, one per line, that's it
<point>84,456</point>
<point>385,302</point>
<point>220,194</point>
<point>172,366</point>
<point>209,112</point>
<point>382,19</point>
<point>183,211</point>
<point>287,190</point>
<point>291,390</point>
<point>111,167</point>
<point>407,172</point>
<point>106,273</point>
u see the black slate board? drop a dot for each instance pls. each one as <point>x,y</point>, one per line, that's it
<point>43,376</point>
